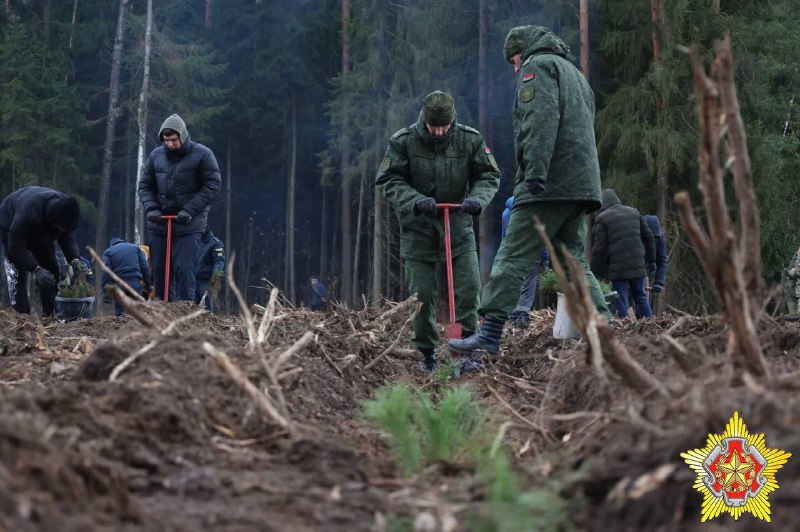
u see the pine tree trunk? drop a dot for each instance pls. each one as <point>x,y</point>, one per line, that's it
<point>289,270</point>
<point>485,224</point>
<point>584,25</point>
<point>141,119</point>
<point>661,156</point>
<point>346,231</point>
<point>111,125</point>
<point>357,254</point>
<point>46,19</point>
<point>209,13</point>
<point>377,244</point>
<point>228,241</point>
<point>72,25</point>
<point>323,237</point>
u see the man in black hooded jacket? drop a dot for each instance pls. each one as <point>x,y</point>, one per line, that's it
<point>32,220</point>
<point>180,178</point>
<point>622,245</point>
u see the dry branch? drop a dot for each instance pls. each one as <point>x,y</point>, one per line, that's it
<point>266,320</point>
<point>260,400</point>
<point>396,340</point>
<point>129,305</point>
<point>281,359</point>
<point>130,360</point>
<point>246,314</point>
<point>731,261</point>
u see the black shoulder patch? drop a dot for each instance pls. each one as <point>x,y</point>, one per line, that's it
<point>404,131</point>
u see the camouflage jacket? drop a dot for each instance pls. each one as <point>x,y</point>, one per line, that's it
<point>554,125</point>
<point>450,169</point>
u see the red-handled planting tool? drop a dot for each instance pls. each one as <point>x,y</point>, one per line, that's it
<point>169,218</point>
<point>452,329</point>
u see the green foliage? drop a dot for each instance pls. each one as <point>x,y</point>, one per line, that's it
<point>548,283</point>
<point>78,288</point>
<point>457,429</point>
<point>421,430</point>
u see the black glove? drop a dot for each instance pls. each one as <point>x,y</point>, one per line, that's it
<point>471,206</point>
<point>79,265</point>
<point>535,187</point>
<point>154,216</point>
<point>427,206</point>
<point>656,288</point>
<point>44,279</point>
<point>183,218</point>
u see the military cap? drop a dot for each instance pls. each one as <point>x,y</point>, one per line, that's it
<point>438,109</point>
<point>515,42</point>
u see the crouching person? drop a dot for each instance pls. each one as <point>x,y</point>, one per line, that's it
<point>129,263</point>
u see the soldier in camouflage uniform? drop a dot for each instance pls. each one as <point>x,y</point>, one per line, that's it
<point>558,175</point>
<point>438,160</point>
<point>791,288</point>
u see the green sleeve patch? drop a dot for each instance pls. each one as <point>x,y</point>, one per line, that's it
<point>526,94</point>
<point>385,164</point>
<point>493,162</point>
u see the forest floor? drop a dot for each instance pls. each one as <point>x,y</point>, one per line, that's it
<point>174,444</point>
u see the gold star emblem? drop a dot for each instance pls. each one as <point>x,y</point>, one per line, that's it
<point>735,472</point>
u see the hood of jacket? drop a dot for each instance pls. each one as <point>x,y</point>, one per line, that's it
<point>540,40</point>
<point>608,199</point>
<point>115,241</point>
<point>654,225</point>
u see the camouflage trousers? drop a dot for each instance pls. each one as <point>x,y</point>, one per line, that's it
<point>422,278</point>
<point>565,225</point>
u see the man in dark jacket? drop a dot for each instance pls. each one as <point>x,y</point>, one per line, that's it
<point>180,178</point>
<point>623,244</point>
<point>32,220</point>
<point>558,174</point>
<point>657,271</point>
<point>438,160</point>
<point>129,263</point>
<point>210,265</point>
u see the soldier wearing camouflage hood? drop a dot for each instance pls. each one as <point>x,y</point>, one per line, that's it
<point>558,174</point>
<point>438,160</point>
<point>181,177</point>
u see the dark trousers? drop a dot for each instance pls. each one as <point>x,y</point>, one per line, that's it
<point>183,265</point>
<point>631,290</point>
<point>134,283</point>
<point>17,279</point>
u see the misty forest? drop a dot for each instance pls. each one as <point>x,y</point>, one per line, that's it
<point>297,99</point>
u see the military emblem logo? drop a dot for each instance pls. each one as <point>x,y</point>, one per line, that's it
<point>526,94</point>
<point>385,164</point>
<point>735,472</point>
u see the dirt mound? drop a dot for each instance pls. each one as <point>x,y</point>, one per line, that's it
<point>174,444</point>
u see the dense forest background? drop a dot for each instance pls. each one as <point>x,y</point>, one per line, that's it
<point>298,98</point>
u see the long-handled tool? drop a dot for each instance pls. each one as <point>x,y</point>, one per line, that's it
<point>170,218</point>
<point>452,329</point>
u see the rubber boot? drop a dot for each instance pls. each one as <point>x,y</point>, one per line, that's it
<point>486,339</point>
<point>429,362</point>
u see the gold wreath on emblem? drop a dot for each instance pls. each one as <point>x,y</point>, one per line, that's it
<point>526,94</point>
<point>385,164</point>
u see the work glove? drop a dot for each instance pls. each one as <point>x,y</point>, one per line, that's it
<point>535,187</point>
<point>426,205</point>
<point>78,265</point>
<point>154,216</point>
<point>183,218</point>
<point>471,206</point>
<point>656,288</point>
<point>44,279</point>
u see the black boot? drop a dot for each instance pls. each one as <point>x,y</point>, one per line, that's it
<point>429,362</point>
<point>487,339</point>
